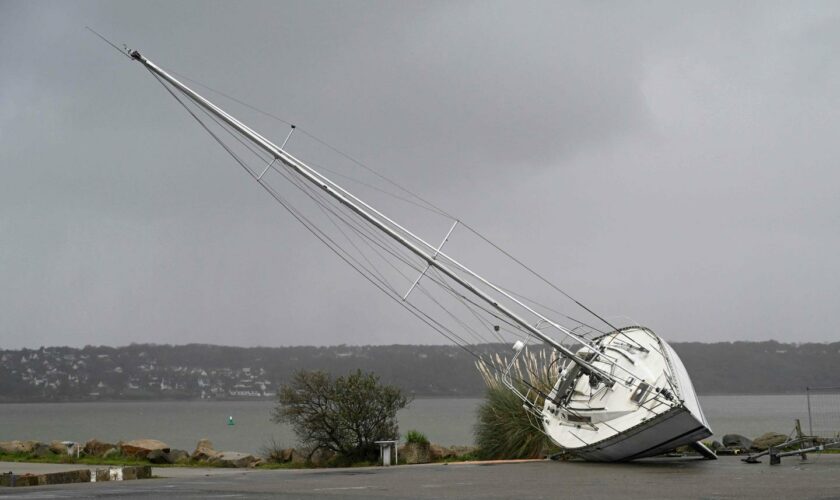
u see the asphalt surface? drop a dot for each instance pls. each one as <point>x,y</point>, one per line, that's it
<point>727,477</point>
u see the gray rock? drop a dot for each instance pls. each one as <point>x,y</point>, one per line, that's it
<point>286,455</point>
<point>461,451</point>
<point>142,447</point>
<point>177,457</point>
<point>321,457</point>
<point>296,457</point>
<point>737,442</point>
<point>95,448</point>
<point>204,451</point>
<point>204,443</point>
<point>716,446</point>
<point>767,440</point>
<point>438,452</point>
<point>41,450</point>
<point>235,459</point>
<point>113,452</point>
<point>158,457</point>
<point>58,447</point>
<point>17,446</point>
<point>416,453</point>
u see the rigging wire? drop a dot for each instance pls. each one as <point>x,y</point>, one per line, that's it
<point>353,225</point>
<point>312,191</point>
<point>428,205</point>
<point>324,238</point>
<point>365,272</point>
<point>332,245</point>
<point>121,51</point>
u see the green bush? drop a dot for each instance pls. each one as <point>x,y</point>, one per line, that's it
<point>418,437</point>
<point>345,415</point>
<point>504,429</point>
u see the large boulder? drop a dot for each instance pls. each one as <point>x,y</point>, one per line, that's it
<point>291,455</point>
<point>287,455</point>
<point>113,452</point>
<point>58,447</point>
<point>321,457</point>
<point>437,452</point>
<point>96,448</point>
<point>158,457</point>
<point>41,450</point>
<point>235,459</point>
<point>284,455</point>
<point>141,447</point>
<point>767,440</point>
<point>461,451</point>
<point>204,451</point>
<point>737,442</point>
<point>297,458</point>
<point>178,457</point>
<point>416,453</point>
<point>18,446</point>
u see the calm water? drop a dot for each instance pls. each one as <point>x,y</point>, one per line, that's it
<point>445,421</point>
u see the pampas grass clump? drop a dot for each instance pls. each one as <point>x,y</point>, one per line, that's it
<point>504,429</point>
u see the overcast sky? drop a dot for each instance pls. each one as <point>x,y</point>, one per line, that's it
<point>675,164</point>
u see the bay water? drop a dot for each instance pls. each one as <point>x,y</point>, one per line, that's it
<point>446,421</point>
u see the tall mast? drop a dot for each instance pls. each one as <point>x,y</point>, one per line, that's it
<point>375,218</point>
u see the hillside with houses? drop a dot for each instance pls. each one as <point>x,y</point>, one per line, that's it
<point>197,371</point>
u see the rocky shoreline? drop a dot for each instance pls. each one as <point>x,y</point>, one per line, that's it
<point>204,454</point>
<point>150,450</point>
<point>735,444</point>
<point>159,453</point>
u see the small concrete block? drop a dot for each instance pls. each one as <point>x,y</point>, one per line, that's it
<point>137,472</point>
<point>73,476</point>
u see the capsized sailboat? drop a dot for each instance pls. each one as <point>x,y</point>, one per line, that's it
<point>619,393</point>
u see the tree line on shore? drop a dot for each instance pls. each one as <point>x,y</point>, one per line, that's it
<point>149,371</point>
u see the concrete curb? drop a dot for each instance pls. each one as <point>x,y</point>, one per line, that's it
<point>127,473</point>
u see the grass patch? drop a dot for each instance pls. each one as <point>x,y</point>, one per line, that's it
<point>418,437</point>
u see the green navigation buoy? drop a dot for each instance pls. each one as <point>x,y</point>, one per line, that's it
<point>230,420</point>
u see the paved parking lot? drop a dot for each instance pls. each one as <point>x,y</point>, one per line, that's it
<point>659,478</point>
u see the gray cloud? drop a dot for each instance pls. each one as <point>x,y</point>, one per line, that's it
<point>675,164</point>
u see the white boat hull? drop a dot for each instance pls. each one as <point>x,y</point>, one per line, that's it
<point>653,437</point>
<point>623,429</point>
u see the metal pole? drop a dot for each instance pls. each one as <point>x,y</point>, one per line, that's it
<point>332,188</point>
<point>286,158</point>
<point>810,424</point>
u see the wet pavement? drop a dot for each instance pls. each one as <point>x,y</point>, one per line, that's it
<point>727,477</point>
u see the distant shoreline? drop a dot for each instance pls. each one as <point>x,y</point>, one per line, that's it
<point>267,400</point>
<point>195,372</point>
